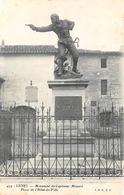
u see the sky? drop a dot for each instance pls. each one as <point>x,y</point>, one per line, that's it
<point>98,23</point>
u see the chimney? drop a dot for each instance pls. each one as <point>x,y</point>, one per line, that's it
<point>2,43</point>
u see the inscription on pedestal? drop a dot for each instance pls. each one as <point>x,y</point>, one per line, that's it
<point>68,107</point>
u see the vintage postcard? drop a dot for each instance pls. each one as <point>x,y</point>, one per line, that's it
<point>61,97</point>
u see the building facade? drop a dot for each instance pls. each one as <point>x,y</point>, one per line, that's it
<point>103,70</point>
<point>22,64</point>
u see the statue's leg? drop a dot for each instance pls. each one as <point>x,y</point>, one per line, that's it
<point>61,57</point>
<point>75,55</point>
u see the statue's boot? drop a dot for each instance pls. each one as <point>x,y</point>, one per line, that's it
<point>74,69</point>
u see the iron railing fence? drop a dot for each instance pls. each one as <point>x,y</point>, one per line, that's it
<point>38,145</point>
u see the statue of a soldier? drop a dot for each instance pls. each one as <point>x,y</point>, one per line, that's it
<point>65,42</point>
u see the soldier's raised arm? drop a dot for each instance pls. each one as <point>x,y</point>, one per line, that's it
<point>40,29</point>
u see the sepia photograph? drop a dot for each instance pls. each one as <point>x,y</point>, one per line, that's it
<point>61,97</point>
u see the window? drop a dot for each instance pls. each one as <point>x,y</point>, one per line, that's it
<point>106,119</point>
<point>104,87</point>
<point>103,63</point>
<point>93,103</point>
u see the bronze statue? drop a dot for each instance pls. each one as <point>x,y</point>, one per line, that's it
<point>65,42</point>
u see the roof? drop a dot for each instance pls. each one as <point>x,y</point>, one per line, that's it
<point>45,49</point>
<point>85,51</point>
<point>28,49</point>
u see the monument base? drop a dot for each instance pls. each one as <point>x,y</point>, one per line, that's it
<point>64,139</point>
<point>68,147</point>
<point>68,97</point>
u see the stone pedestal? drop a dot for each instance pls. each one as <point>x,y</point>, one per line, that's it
<point>68,97</point>
<point>68,136</point>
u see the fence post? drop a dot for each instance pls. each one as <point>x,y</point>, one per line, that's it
<point>122,134</point>
<point>99,148</point>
